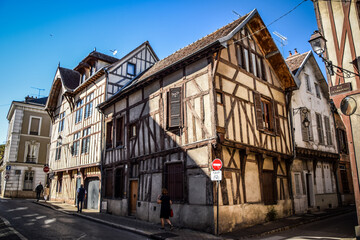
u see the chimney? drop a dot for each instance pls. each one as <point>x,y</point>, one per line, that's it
<point>295,51</point>
<point>290,54</point>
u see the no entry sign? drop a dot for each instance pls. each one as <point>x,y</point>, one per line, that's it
<point>46,169</point>
<point>217,164</point>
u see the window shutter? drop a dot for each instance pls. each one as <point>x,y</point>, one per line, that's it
<point>327,130</point>
<point>304,130</point>
<point>310,130</point>
<point>277,126</point>
<point>258,110</point>
<point>174,114</point>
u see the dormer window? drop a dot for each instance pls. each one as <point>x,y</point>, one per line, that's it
<point>131,69</point>
<point>83,77</point>
<point>92,69</point>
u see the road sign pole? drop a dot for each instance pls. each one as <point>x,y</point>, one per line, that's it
<point>217,208</point>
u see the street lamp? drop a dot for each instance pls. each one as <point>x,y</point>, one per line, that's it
<point>317,42</point>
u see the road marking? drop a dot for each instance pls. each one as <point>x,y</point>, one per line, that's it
<point>7,223</point>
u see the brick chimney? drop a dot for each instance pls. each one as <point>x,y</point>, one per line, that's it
<point>295,51</point>
<point>290,54</point>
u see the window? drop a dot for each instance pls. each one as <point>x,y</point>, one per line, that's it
<point>78,115</point>
<point>344,179</point>
<point>119,183</point>
<point>307,132</point>
<point>31,151</point>
<point>89,105</point>
<point>85,144</point>
<point>28,180</point>
<point>120,131</point>
<point>109,183</point>
<point>268,183</point>
<point>267,116</point>
<point>319,128</point>
<point>317,90</point>
<point>250,59</point>
<point>174,108</point>
<point>34,126</point>
<point>61,122</point>
<point>76,144</point>
<point>58,150</point>
<point>92,68</point>
<point>109,134</point>
<point>307,80</point>
<point>342,141</point>
<point>83,77</point>
<point>327,130</point>
<point>297,184</point>
<point>131,69</point>
<point>132,130</point>
<point>174,180</point>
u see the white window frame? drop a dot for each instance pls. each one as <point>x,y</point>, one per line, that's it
<point>30,120</point>
<point>35,143</point>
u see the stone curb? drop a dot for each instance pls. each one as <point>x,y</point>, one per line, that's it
<point>281,229</point>
<point>130,229</point>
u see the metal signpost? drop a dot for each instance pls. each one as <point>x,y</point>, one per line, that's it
<point>216,175</point>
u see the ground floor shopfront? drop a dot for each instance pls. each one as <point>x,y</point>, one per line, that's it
<point>64,185</point>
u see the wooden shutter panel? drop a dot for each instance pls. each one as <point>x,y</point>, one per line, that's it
<point>304,130</point>
<point>277,126</point>
<point>311,134</point>
<point>328,131</point>
<point>175,107</point>
<point>259,111</point>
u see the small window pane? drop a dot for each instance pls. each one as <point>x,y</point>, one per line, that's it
<point>34,126</point>
<point>131,68</point>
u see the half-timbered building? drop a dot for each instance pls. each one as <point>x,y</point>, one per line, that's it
<point>75,153</point>
<point>224,96</point>
<point>316,155</point>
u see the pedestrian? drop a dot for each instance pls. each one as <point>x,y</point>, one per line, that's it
<point>81,195</point>
<point>46,192</point>
<point>165,202</point>
<point>39,188</point>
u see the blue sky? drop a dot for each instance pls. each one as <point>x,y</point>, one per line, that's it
<point>36,35</point>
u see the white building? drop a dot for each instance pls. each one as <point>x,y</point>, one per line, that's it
<point>26,150</point>
<point>316,154</point>
<point>76,138</point>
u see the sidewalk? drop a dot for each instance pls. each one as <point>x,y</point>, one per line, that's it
<point>152,231</point>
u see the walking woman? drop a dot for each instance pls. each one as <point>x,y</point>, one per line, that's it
<point>165,202</point>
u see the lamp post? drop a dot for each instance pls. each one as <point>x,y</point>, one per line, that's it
<point>317,42</point>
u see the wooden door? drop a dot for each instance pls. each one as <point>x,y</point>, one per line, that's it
<point>308,189</point>
<point>93,194</point>
<point>133,196</point>
<point>268,187</point>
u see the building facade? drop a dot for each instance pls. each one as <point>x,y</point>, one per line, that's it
<point>316,155</point>
<point>339,23</point>
<point>75,152</point>
<point>222,96</point>
<point>26,150</point>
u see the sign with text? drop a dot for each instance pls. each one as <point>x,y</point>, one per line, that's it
<point>346,87</point>
<point>216,176</point>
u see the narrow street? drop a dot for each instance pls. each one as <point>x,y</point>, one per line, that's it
<point>33,221</point>
<point>339,227</point>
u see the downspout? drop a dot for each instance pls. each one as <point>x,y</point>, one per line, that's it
<point>336,165</point>
<point>288,94</point>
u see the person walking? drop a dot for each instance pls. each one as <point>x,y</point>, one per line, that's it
<point>165,209</point>
<point>81,195</point>
<point>46,192</point>
<point>39,188</point>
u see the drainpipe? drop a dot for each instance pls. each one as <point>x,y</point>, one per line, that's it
<point>336,166</point>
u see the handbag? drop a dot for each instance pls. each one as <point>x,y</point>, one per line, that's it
<point>171,212</point>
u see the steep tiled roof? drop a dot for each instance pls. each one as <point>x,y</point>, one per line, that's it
<point>294,62</point>
<point>41,101</point>
<point>103,57</point>
<point>189,50</point>
<point>70,78</point>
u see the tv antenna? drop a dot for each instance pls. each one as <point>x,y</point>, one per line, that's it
<point>39,89</point>
<point>283,41</point>
<point>237,14</point>
<point>114,51</point>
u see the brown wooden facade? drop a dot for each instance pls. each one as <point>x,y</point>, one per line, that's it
<point>223,96</point>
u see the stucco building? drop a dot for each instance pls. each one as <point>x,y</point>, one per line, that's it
<point>26,150</point>
<point>316,155</point>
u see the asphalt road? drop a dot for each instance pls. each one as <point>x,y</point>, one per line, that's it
<point>339,227</point>
<point>27,220</point>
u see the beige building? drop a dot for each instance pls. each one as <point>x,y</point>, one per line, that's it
<point>316,157</point>
<point>26,150</point>
<point>222,96</point>
<point>339,24</point>
<point>76,140</point>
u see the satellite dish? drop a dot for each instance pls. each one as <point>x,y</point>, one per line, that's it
<point>348,106</point>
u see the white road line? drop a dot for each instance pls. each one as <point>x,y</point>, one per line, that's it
<point>7,223</point>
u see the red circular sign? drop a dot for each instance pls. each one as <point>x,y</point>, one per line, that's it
<point>217,164</point>
<point>46,169</point>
